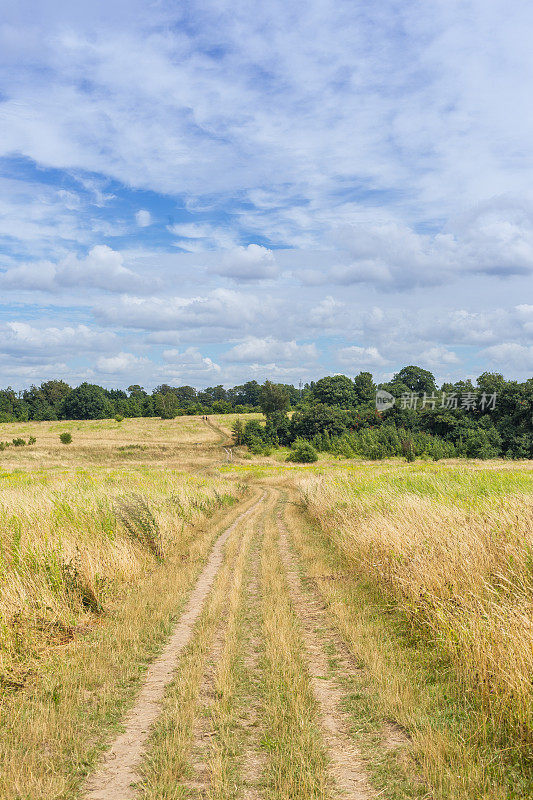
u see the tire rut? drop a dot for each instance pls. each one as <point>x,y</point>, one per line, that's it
<point>117,771</point>
<point>347,767</point>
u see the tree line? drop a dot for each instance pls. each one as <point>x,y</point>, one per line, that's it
<point>489,418</point>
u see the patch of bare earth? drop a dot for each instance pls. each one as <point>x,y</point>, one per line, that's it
<point>347,767</point>
<point>117,772</point>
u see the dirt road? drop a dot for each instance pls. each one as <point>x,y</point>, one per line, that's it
<point>243,701</point>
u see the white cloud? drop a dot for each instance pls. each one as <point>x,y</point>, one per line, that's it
<point>143,218</point>
<point>269,349</point>
<point>328,313</point>
<point>221,308</point>
<point>24,339</point>
<point>189,360</point>
<point>121,362</point>
<point>247,263</point>
<point>197,238</point>
<point>495,238</point>
<point>355,357</point>
<point>384,150</point>
<point>102,268</point>
<point>438,357</point>
<point>511,355</point>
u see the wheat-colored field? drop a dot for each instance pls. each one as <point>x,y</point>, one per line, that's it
<point>453,546</point>
<point>368,631</point>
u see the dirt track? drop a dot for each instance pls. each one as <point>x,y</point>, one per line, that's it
<point>237,637</point>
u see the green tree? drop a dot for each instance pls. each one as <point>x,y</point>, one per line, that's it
<point>318,420</point>
<point>364,388</point>
<point>273,398</point>
<point>412,379</point>
<point>335,390</point>
<point>238,431</point>
<point>87,401</point>
<point>166,405</point>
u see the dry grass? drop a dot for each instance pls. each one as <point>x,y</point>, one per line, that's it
<point>298,768</point>
<point>171,769</point>
<point>102,540</point>
<point>54,728</point>
<point>454,548</point>
<point>71,539</point>
<point>184,442</point>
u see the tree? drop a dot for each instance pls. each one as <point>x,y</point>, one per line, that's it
<point>318,420</point>
<point>186,395</point>
<point>137,391</point>
<point>248,394</point>
<point>273,398</point>
<point>491,382</point>
<point>54,392</point>
<point>335,390</point>
<point>238,431</point>
<point>278,428</point>
<point>166,405</point>
<point>87,401</point>
<point>413,379</point>
<point>364,388</point>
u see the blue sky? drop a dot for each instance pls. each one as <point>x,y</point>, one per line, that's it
<point>211,192</point>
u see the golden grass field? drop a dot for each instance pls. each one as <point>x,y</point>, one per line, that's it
<point>369,632</point>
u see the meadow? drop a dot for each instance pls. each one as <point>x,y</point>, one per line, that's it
<point>379,609</point>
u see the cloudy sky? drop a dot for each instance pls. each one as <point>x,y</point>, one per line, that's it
<point>208,192</point>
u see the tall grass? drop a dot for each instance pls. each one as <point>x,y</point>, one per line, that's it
<point>454,550</point>
<point>69,542</point>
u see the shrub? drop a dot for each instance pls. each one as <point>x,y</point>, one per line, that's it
<point>259,448</point>
<point>32,440</point>
<point>408,449</point>
<point>303,453</point>
<point>65,438</point>
<point>19,442</point>
<point>238,431</point>
<point>118,418</point>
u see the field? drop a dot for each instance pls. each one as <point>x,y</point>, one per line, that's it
<point>175,625</point>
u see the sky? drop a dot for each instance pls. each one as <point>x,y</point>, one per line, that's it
<point>218,191</point>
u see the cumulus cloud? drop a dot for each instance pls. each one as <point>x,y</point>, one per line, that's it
<point>355,357</point>
<point>102,268</point>
<point>383,159</point>
<point>328,313</point>
<point>495,238</point>
<point>511,354</point>
<point>437,357</point>
<point>190,361</point>
<point>24,339</point>
<point>247,263</point>
<point>143,218</point>
<point>262,351</point>
<point>121,362</point>
<point>220,309</point>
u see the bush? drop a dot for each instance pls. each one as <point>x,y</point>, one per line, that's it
<point>259,448</point>
<point>408,450</point>
<point>19,442</point>
<point>303,453</point>
<point>65,438</point>
<point>32,440</point>
<point>118,418</point>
